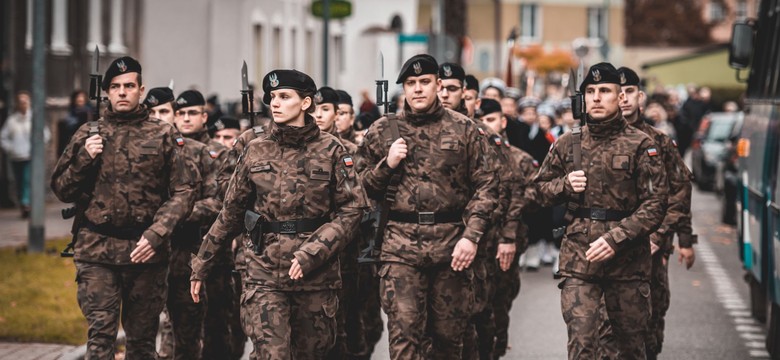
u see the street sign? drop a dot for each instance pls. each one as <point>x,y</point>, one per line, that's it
<point>339,9</point>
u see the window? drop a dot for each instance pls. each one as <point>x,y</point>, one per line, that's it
<point>741,10</point>
<point>597,23</point>
<point>259,54</point>
<point>484,61</point>
<point>716,11</point>
<point>277,48</point>
<point>529,22</point>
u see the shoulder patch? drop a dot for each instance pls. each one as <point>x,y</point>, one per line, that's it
<point>481,132</point>
<point>180,141</point>
<point>498,141</point>
<point>213,154</point>
<point>551,147</point>
<point>507,144</point>
<point>536,163</point>
<point>235,141</point>
<point>652,152</point>
<point>348,161</point>
<point>674,142</point>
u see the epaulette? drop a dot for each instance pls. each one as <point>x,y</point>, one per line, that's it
<point>258,130</point>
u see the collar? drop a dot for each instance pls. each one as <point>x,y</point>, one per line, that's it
<point>296,137</point>
<point>434,113</point>
<point>140,113</point>
<point>607,127</point>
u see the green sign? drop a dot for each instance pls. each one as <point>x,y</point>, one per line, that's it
<point>413,38</point>
<point>339,9</point>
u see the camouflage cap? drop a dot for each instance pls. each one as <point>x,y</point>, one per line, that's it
<point>120,66</point>
<point>287,79</point>
<point>158,96</point>
<point>418,65</point>
<point>601,73</point>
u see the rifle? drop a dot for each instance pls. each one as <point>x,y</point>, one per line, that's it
<point>578,112</point>
<point>77,212</point>
<point>374,222</point>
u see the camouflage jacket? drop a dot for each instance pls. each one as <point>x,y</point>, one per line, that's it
<point>678,214</point>
<point>445,171</point>
<point>227,166</point>
<point>291,174</point>
<point>139,181</point>
<point>217,151</point>
<point>349,135</point>
<point>624,173</point>
<point>523,195</point>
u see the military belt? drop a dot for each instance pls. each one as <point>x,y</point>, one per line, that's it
<point>601,214</point>
<point>118,232</point>
<point>295,226</point>
<point>426,217</point>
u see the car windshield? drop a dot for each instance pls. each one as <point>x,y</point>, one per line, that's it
<point>720,129</point>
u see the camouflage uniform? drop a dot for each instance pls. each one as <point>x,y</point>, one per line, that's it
<point>216,324</point>
<point>427,303</point>
<point>509,281</point>
<point>625,201</point>
<point>238,338</point>
<point>185,315</point>
<point>139,185</point>
<point>288,177</point>
<point>677,219</point>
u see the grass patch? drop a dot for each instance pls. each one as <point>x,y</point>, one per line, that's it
<point>38,297</point>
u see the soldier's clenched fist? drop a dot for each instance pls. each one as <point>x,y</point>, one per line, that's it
<point>577,180</point>
<point>94,145</point>
<point>397,153</point>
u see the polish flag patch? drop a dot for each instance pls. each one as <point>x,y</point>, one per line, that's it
<point>498,141</point>
<point>348,161</point>
<point>213,154</point>
<point>652,152</point>
<point>674,142</point>
<point>180,141</point>
<point>536,163</point>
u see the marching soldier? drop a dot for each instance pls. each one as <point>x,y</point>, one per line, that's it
<point>186,316</point>
<point>678,214</point>
<point>471,96</point>
<point>429,160</point>
<point>453,80</point>
<point>327,102</point>
<point>191,119</point>
<point>131,167</point>
<point>345,119</point>
<point>295,192</point>
<point>612,176</point>
<point>226,130</point>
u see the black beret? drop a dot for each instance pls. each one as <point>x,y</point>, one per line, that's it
<point>120,66</point>
<point>489,106</point>
<point>472,83</point>
<point>158,96</point>
<point>628,77</point>
<point>326,95</point>
<point>344,97</point>
<point>418,65</point>
<point>601,73</point>
<point>226,122</point>
<point>287,79</point>
<point>190,98</point>
<point>213,100</point>
<point>452,71</point>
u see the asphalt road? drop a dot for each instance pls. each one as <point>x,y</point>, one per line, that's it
<point>709,314</point>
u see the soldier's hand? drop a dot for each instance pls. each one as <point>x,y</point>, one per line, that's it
<point>94,145</point>
<point>688,255</point>
<point>599,251</point>
<point>463,255</point>
<point>295,270</point>
<point>397,153</point>
<point>195,290</point>
<point>577,180</point>
<point>142,252</point>
<point>654,248</point>
<point>506,253</point>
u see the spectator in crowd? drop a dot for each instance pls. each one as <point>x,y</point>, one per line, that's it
<point>16,142</point>
<point>730,106</point>
<point>79,113</point>
<point>657,113</point>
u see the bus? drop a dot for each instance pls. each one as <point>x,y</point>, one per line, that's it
<point>755,49</point>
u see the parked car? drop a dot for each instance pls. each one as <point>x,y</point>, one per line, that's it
<point>727,176</point>
<point>710,145</point>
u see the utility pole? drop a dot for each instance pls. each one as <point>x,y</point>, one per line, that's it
<point>325,40</point>
<point>497,37</point>
<point>35,232</point>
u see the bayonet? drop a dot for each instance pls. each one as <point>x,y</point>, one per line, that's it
<point>381,86</point>
<point>170,85</point>
<point>244,78</point>
<point>247,96</point>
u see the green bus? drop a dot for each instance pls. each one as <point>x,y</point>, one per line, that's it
<point>755,45</point>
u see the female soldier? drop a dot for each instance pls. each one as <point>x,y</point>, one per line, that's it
<point>300,185</point>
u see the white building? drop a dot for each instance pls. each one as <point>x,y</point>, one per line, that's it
<point>201,43</point>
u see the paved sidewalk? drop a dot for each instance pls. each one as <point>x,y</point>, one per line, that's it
<point>14,228</point>
<point>35,351</point>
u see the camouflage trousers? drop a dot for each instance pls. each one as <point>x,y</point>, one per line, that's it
<point>283,325</point>
<point>186,316</point>
<point>427,310</point>
<point>217,333</point>
<point>133,293</point>
<point>165,351</point>
<point>507,289</point>
<point>479,341</point>
<point>370,308</point>
<point>585,305</point>
<point>238,338</point>
<point>350,338</point>
<point>660,296</point>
